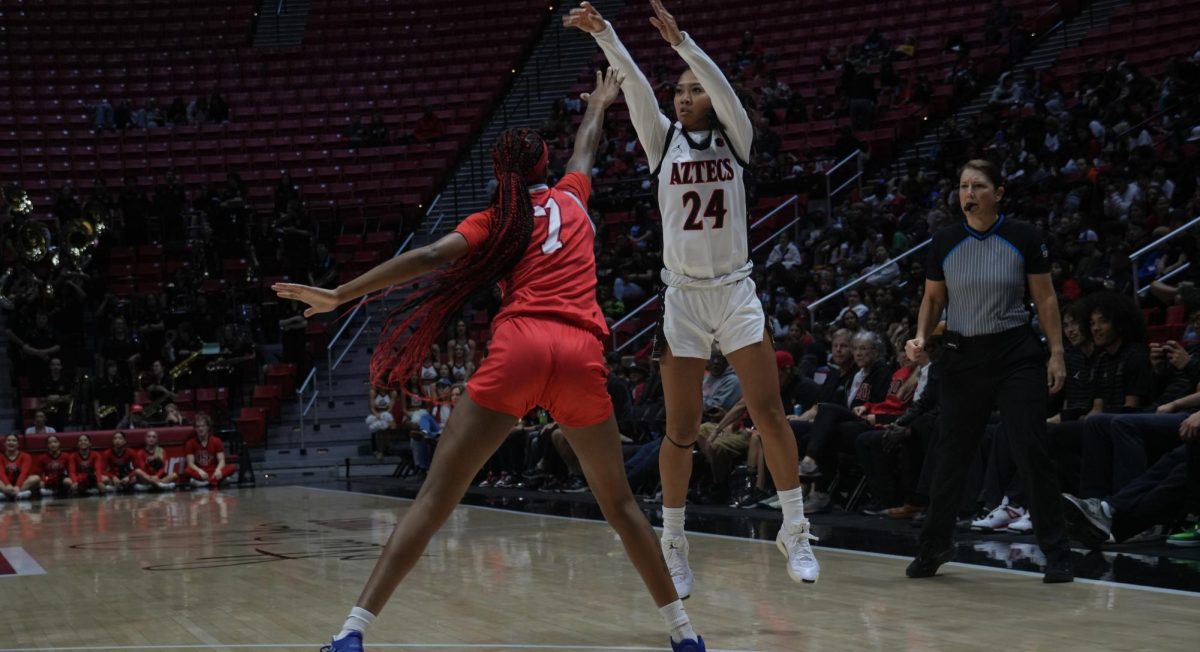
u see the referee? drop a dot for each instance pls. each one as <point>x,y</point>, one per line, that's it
<point>978,273</point>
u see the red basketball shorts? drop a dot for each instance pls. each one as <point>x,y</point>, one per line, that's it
<point>533,362</point>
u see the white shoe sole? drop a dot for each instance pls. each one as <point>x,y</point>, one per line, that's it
<point>788,562</point>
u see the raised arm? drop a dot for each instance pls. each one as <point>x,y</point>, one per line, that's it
<point>608,86</point>
<point>725,101</point>
<point>401,269</point>
<point>648,121</point>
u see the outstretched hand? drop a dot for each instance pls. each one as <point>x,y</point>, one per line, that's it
<point>319,299</point>
<point>586,18</point>
<point>608,87</point>
<point>664,22</point>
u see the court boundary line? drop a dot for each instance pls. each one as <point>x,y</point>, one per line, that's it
<point>401,646</point>
<point>822,549</point>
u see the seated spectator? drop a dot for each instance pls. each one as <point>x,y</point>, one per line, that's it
<point>424,436</point>
<point>429,127</point>
<point>1158,496</point>
<point>121,463</point>
<point>854,303</point>
<point>54,469</point>
<point>104,116</point>
<point>461,366</point>
<point>152,472</point>
<point>881,273</point>
<point>784,253</point>
<point>870,385</point>
<point>87,468</point>
<point>1080,353</point>
<point>39,426</point>
<point>462,338</point>
<point>575,481</point>
<point>18,477</point>
<point>206,456</point>
<point>57,394</point>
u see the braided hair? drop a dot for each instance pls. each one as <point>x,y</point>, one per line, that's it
<point>518,158</point>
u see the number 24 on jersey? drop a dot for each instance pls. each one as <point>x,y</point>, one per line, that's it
<point>715,209</point>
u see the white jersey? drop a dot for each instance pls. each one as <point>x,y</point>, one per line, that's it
<point>703,203</point>
<point>701,194</point>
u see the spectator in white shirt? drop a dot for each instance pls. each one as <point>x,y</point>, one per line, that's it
<point>39,426</point>
<point>784,253</point>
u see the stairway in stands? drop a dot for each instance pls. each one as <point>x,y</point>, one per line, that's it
<point>280,23</point>
<point>1044,55</point>
<point>341,446</point>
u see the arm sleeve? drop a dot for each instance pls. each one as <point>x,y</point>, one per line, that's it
<point>724,100</point>
<point>881,381</point>
<point>475,229</point>
<point>648,121</point>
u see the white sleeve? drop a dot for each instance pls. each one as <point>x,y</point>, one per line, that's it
<point>724,100</point>
<point>648,121</point>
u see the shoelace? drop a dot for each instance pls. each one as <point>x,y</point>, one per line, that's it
<point>800,537</point>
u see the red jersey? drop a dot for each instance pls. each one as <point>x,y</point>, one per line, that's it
<point>153,464</point>
<point>83,468</point>
<point>124,464</point>
<point>14,471</point>
<point>53,468</point>
<point>204,456</point>
<point>556,277</point>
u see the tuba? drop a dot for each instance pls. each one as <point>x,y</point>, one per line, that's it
<point>33,242</point>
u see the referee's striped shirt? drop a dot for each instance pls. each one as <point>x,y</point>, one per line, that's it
<point>984,272</point>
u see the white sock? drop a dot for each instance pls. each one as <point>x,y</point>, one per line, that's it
<point>1106,508</point>
<point>677,621</point>
<point>358,621</point>
<point>673,521</point>
<point>792,502</point>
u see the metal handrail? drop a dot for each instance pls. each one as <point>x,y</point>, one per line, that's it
<point>791,200</point>
<point>636,336</point>
<point>861,279</point>
<point>331,364</point>
<point>303,411</point>
<point>1138,291</point>
<point>774,235</point>
<point>1166,277</point>
<point>829,191</point>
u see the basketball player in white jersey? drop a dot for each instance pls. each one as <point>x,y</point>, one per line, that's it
<point>699,160</point>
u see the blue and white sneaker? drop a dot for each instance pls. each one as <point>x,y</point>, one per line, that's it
<point>688,645</point>
<point>352,642</point>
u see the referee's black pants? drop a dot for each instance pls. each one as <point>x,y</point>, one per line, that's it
<point>1006,370</point>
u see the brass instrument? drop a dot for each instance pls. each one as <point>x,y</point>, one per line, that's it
<point>219,365</point>
<point>105,411</point>
<point>33,242</point>
<point>184,366</point>
<point>80,238</point>
<point>17,200</point>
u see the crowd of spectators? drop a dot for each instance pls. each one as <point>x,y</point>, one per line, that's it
<point>127,114</point>
<point>171,301</point>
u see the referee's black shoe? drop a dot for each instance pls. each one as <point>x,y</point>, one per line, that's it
<point>924,566</point>
<point>1059,572</point>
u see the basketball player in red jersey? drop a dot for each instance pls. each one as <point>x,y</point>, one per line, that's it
<point>546,350</point>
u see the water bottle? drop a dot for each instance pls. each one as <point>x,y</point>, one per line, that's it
<point>797,410</point>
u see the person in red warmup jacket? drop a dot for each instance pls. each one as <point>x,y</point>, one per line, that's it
<point>87,467</point>
<point>54,468</point>
<point>206,456</point>
<point>17,478</point>
<point>122,463</point>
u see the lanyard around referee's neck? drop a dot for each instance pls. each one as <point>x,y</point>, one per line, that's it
<point>982,235</point>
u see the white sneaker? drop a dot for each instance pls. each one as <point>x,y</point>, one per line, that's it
<point>675,550</point>
<point>998,518</point>
<point>167,486</point>
<point>139,487</point>
<point>24,495</point>
<point>199,484</point>
<point>1023,525</point>
<point>793,541</point>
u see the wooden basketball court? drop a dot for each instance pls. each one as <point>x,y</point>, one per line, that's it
<point>278,568</point>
